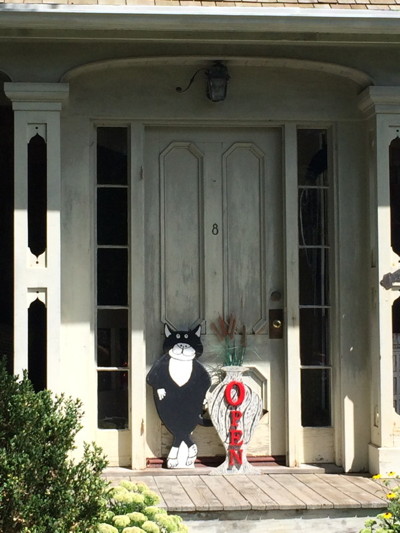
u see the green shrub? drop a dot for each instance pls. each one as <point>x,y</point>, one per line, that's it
<point>389,521</point>
<point>132,509</point>
<point>42,490</point>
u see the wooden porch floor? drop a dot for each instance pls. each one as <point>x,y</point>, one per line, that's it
<point>275,489</point>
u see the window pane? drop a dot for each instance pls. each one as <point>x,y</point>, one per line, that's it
<point>313,228</point>
<point>314,284</point>
<point>314,334</point>
<point>112,158</point>
<point>113,400</point>
<point>112,337</point>
<point>312,157</point>
<point>112,216</point>
<point>396,354</point>
<point>112,276</point>
<point>315,398</point>
<point>313,265</point>
<point>394,161</point>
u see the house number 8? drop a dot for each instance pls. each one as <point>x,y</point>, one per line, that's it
<point>215,229</point>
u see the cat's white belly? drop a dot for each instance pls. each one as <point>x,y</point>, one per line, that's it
<point>180,371</point>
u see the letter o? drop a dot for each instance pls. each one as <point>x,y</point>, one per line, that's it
<point>241,393</point>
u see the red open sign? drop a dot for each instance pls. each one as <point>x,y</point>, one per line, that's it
<point>235,434</point>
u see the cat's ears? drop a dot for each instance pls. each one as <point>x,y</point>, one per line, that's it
<point>197,331</point>
<point>168,332</point>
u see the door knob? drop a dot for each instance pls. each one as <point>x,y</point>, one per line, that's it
<point>276,323</point>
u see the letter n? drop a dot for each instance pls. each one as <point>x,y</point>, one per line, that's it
<point>235,457</point>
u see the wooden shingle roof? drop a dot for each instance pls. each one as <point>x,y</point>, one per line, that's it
<point>382,5</point>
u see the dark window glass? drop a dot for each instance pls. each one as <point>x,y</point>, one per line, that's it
<point>313,217</point>
<point>112,276</point>
<point>314,335</point>
<point>113,400</point>
<point>112,216</point>
<point>315,398</point>
<point>394,165</point>
<point>112,158</point>
<point>37,195</point>
<point>37,345</point>
<point>314,287</point>
<point>394,158</point>
<point>112,337</point>
<point>396,316</point>
<point>312,157</point>
<point>314,270</point>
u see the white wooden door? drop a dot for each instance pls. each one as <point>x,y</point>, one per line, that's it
<point>213,219</point>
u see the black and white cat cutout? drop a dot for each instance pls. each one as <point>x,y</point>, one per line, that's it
<point>180,384</point>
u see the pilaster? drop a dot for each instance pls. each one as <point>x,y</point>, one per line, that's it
<point>37,108</point>
<point>294,435</point>
<point>381,105</point>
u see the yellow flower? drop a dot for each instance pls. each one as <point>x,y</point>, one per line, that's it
<point>387,515</point>
<point>391,496</point>
<point>377,476</point>
<point>391,474</point>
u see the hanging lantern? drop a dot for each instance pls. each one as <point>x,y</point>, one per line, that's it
<point>217,82</point>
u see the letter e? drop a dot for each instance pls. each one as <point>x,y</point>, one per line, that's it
<point>235,417</point>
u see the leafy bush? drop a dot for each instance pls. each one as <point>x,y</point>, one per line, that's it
<point>132,508</point>
<point>42,490</point>
<point>388,522</point>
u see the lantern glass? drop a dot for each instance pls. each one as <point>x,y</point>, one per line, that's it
<point>217,89</point>
<point>217,82</point>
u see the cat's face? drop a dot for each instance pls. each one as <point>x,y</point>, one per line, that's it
<point>183,345</point>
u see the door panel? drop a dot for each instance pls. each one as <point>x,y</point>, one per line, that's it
<point>213,247</point>
<point>244,204</point>
<point>181,208</point>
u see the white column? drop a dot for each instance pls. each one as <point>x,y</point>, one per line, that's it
<point>137,275</point>
<point>382,107</point>
<point>292,318</point>
<point>37,108</point>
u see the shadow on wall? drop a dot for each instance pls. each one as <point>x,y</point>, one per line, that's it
<point>6,224</point>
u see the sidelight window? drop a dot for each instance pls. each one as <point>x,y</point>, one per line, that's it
<point>314,267</point>
<point>394,162</point>
<point>112,278</point>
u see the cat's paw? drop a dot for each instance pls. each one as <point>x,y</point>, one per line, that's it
<point>172,463</point>
<point>172,459</point>
<point>161,393</point>
<point>192,455</point>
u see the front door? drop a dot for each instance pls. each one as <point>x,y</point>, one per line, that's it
<point>213,219</point>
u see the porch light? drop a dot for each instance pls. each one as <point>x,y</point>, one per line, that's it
<point>217,81</point>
